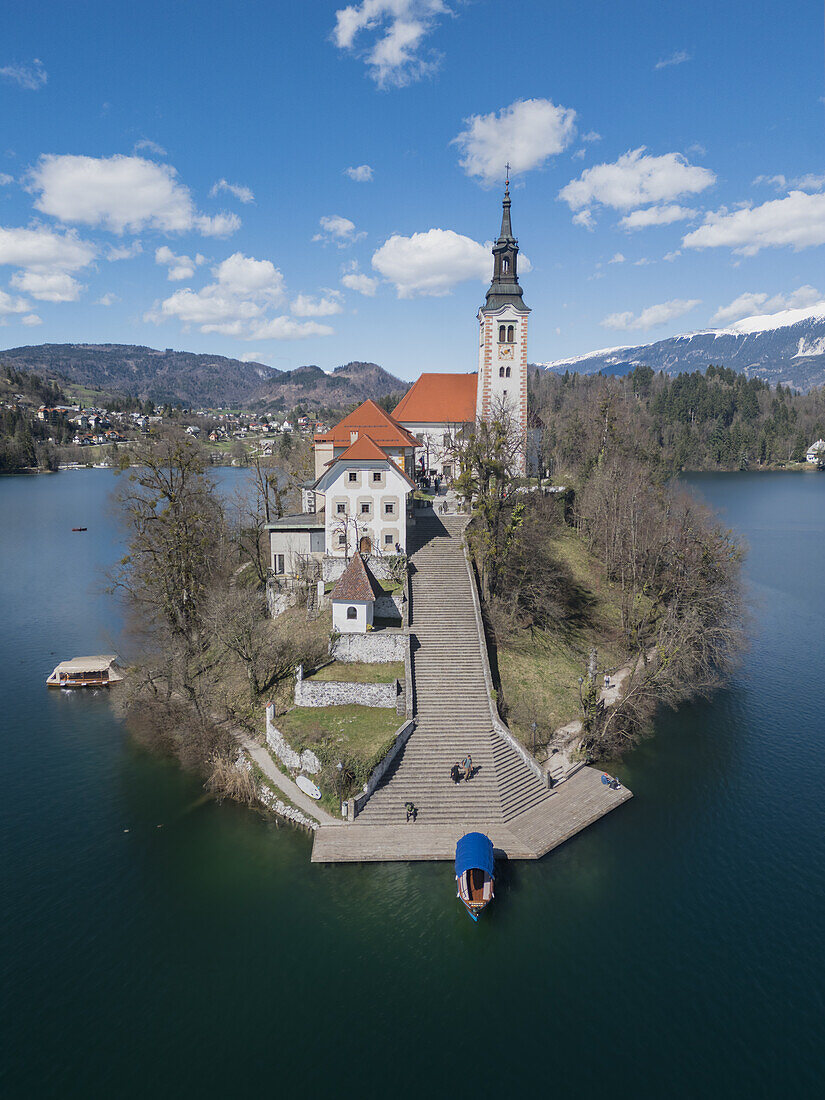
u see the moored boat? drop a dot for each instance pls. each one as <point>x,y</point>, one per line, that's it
<point>475,872</point>
<point>80,672</point>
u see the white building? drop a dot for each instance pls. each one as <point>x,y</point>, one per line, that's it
<point>365,493</point>
<point>353,598</point>
<point>816,451</point>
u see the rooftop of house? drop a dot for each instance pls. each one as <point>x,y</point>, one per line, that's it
<point>439,399</point>
<point>368,418</point>
<point>298,522</point>
<point>364,447</point>
<point>357,582</point>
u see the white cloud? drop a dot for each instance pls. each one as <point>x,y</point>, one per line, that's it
<point>797,220</point>
<point>678,57</point>
<point>671,256</point>
<point>31,77</point>
<point>243,194</point>
<point>121,193</point>
<point>5,179</point>
<point>809,182</point>
<point>12,305</point>
<point>656,215</point>
<point>307,306</point>
<point>396,30</point>
<point>284,328</point>
<point>124,251</point>
<point>591,136</point>
<point>430,264</point>
<point>525,134</point>
<point>235,304</point>
<point>107,299</point>
<point>31,319</point>
<point>635,179</point>
<point>47,286</point>
<point>179,267</point>
<point>749,304</point>
<point>651,316</point>
<point>362,174</point>
<point>251,357</point>
<point>340,231</point>
<point>149,146</point>
<point>362,284</point>
<point>42,249</point>
<point>618,258</point>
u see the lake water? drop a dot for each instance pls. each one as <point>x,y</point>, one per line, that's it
<point>153,943</point>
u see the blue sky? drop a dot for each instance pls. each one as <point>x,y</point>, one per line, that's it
<point>177,174</point>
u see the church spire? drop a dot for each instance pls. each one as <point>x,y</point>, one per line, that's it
<point>504,288</point>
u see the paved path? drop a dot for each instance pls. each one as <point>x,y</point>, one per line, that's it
<point>293,792</point>
<point>577,803</point>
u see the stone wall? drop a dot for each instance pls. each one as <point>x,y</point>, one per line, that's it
<point>380,566</point>
<point>338,693</point>
<point>389,607</point>
<point>299,761</point>
<point>377,647</point>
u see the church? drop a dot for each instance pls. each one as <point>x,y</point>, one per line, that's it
<point>366,466</point>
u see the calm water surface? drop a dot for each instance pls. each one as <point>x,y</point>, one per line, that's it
<point>674,949</point>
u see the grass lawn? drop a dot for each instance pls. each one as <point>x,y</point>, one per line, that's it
<point>362,732</point>
<point>354,672</point>
<point>539,672</point>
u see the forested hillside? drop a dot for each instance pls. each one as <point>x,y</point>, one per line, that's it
<point>201,381</point>
<point>718,419</point>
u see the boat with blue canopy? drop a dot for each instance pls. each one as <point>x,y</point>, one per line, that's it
<point>474,872</point>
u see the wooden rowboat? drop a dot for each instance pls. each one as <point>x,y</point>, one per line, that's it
<point>475,872</point>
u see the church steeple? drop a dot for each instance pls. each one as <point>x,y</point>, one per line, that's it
<point>504,288</point>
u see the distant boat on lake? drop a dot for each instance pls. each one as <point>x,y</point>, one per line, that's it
<point>81,672</point>
<point>474,872</point>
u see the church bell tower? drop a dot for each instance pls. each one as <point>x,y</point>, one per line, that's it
<point>502,353</point>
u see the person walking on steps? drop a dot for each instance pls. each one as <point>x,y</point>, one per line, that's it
<point>467,765</point>
<point>455,772</point>
<point>412,812</point>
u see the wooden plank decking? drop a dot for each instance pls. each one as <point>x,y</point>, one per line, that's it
<point>576,804</point>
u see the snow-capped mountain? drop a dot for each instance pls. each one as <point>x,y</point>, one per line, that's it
<point>786,347</point>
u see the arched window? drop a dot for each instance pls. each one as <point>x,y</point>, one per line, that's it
<point>510,334</point>
<point>501,372</point>
<point>502,333</point>
<point>352,612</point>
<point>507,373</point>
<point>505,265</point>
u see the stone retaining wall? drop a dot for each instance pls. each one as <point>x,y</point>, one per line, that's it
<point>389,607</point>
<point>339,693</point>
<point>375,647</point>
<point>380,566</point>
<point>299,761</point>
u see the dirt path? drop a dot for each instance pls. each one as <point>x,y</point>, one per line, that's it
<point>284,784</point>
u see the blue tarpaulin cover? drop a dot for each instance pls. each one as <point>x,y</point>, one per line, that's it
<point>474,850</point>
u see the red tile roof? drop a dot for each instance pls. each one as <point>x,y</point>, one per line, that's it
<point>439,399</point>
<point>357,582</point>
<point>363,447</point>
<point>369,418</point>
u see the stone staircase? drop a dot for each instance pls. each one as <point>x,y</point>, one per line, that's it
<point>452,705</point>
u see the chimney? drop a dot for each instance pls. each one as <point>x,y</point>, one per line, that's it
<point>353,435</point>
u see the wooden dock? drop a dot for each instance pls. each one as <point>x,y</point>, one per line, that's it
<point>574,805</point>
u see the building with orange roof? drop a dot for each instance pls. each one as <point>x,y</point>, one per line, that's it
<point>368,419</point>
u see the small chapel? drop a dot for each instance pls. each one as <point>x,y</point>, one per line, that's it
<point>366,466</point>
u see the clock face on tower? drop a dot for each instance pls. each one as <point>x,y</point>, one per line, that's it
<point>505,353</point>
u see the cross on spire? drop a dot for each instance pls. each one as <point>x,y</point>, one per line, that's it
<point>507,176</point>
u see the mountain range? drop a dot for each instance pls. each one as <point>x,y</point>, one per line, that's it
<point>196,380</point>
<point>786,347</point>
